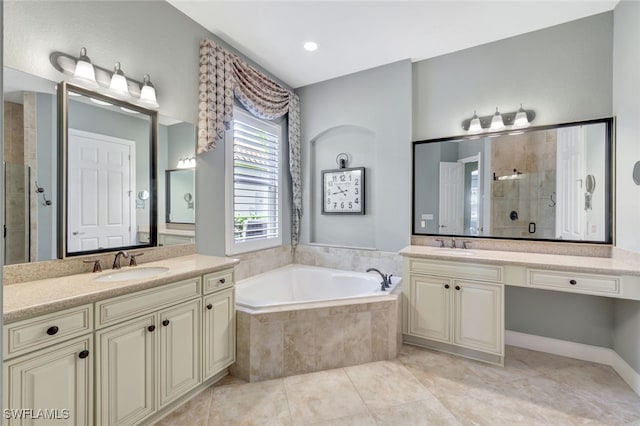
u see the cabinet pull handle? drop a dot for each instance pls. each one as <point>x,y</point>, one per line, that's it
<point>51,331</point>
<point>573,282</point>
<point>457,287</point>
<point>83,354</point>
<point>222,280</point>
<point>209,306</point>
<point>151,327</point>
<point>165,322</point>
<point>446,286</point>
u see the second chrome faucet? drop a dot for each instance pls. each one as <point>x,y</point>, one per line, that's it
<point>116,261</point>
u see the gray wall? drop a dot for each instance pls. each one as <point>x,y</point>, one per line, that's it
<point>378,100</point>
<point>562,72</point>
<point>46,114</point>
<point>626,106</point>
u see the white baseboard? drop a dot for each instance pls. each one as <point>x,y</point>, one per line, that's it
<point>576,350</point>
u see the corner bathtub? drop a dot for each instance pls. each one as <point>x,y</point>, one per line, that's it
<point>294,284</point>
<point>298,319</point>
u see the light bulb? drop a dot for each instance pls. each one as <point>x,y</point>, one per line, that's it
<point>496,121</point>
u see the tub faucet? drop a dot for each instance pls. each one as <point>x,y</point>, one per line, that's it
<point>116,261</point>
<point>385,279</point>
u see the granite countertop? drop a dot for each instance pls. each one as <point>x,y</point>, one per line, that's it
<point>33,298</point>
<point>602,265</point>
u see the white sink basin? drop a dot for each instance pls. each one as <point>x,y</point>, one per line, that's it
<point>131,274</point>
<point>456,252</point>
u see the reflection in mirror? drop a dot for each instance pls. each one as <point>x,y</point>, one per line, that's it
<point>537,184</point>
<point>180,195</point>
<point>31,157</point>
<point>109,156</point>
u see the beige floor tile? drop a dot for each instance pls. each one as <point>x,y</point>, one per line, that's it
<point>229,380</point>
<point>249,404</point>
<point>357,420</point>
<point>418,413</point>
<point>194,412</point>
<point>385,384</point>
<point>325,395</point>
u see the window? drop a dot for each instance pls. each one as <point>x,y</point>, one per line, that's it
<point>253,154</point>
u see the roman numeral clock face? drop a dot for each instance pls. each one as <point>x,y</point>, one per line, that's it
<point>343,191</point>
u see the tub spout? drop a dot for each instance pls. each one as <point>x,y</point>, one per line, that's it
<point>385,279</point>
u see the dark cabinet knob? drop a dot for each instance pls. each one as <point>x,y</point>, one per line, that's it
<point>51,331</point>
<point>457,287</point>
<point>209,306</point>
<point>573,282</point>
<point>151,327</point>
<point>165,322</point>
<point>222,280</point>
<point>446,286</point>
<point>83,354</point>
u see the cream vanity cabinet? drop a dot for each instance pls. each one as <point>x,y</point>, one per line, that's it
<point>457,304</point>
<point>48,365</point>
<point>219,335</point>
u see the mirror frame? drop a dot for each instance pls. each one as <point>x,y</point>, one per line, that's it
<point>167,185</point>
<point>63,132</point>
<point>609,179</point>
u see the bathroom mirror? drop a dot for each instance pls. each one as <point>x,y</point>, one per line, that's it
<point>180,190</point>
<point>31,157</point>
<point>534,184</point>
<point>108,152</point>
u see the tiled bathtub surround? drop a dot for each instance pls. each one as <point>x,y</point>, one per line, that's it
<point>285,343</point>
<point>349,259</point>
<point>257,262</point>
<point>548,247</point>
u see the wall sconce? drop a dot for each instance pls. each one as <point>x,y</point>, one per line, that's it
<point>188,162</point>
<point>497,121</point>
<point>111,83</point>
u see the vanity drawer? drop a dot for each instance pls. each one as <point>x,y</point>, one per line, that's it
<point>472,271</point>
<point>575,282</point>
<point>35,333</point>
<point>218,280</point>
<point>128,306</point>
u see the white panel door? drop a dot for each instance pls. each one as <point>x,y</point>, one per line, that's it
<point>101,179</point>
<point>430,307</point>
<point>219,331</point>
<point>570,172</point>
<point>451,210</point>
<point>478,316</point>
<point>55,378</point>
<point>126,372</point>
<point>179,350</point>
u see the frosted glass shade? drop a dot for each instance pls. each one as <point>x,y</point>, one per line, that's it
<point>521,119</point>
<point>474,124</point>
<point>496,121</point>
<point>148,93</point>
<point>84,73</point>
<point>119,85</point>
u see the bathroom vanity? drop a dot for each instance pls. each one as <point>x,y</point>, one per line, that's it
<point>454,300</point>
<point>114,351</point>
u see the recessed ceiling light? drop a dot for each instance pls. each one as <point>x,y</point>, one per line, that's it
<point>310,46</point>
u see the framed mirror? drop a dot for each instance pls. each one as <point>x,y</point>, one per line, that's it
<point>551,183</point>
<point>180,196</point>
<point>108,156</point>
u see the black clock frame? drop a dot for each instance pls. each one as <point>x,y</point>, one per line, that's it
<point>362,198</point>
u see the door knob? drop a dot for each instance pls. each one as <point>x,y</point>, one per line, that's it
<point>77,233</point>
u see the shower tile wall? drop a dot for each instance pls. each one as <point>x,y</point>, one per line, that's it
<point>16,186</point>
<point>531,194</point>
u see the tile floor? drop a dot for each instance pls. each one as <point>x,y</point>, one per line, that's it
<point>423,387</point>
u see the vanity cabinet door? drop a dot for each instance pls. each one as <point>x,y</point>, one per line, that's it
<point>430,307</point>
<point>126,371</point>
<point>57,380</point>
<point>219,331</point>
<point>478,310</point>
<point>179,350</point>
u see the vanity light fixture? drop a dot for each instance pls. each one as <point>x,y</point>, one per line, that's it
<point>119,86</point>
<point>148,92</point>
<point>496,122</point>
<point>188,162</point>
<point>84,73</point>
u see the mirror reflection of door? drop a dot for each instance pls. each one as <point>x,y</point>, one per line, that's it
<point>473,194</point>
<point>451,203</point>
<point>100,208</point>
<point>570,171</point>
<point>180,186</point>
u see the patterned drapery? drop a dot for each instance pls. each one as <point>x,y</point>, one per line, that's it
<point>224,75</point>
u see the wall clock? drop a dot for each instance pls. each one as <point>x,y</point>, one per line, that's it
<point>343,191</point>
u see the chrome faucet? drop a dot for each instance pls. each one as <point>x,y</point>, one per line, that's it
<point>386,279</point>
<point>453,242</point>
<point>441,241</point>
<point>116,261</point>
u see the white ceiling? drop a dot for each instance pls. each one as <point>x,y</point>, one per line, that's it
<point>358,35</point>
